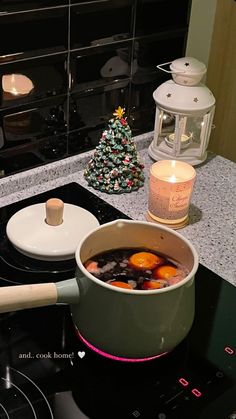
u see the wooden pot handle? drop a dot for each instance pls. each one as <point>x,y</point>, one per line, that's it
<point>27,296</point>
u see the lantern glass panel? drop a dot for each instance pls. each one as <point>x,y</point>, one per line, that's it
<point>181,135</point>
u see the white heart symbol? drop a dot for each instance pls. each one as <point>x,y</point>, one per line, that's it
<point>81,354</point>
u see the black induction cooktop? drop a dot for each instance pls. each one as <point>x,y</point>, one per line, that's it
<point>47,372</point>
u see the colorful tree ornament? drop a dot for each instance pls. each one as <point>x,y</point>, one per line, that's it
<point>115,166</point>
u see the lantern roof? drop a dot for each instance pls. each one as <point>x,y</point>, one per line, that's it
<point>184,99</point>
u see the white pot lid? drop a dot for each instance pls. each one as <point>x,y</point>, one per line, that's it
<point>184,99</point>
<point>29,233</point>
<point>188,66</point>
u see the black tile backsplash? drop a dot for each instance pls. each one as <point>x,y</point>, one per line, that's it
<point>65,65</point>
<point>20,161</point>
<point>84,139</point>
<point>35,33</point>
<point>32,123</point>
<point>33,154</point>
<point>96,107</point>
<point>99,23</point>
<point>156,15</point>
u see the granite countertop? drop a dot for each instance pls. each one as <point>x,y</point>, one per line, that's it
<point>212,211</point>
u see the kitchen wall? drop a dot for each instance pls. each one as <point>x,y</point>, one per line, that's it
<point>66,65</point>
<point>200,31</point>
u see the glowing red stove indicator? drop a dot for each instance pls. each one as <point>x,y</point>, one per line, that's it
<point>196,392</point>
<point>229,350</point>
<point>183,382</point>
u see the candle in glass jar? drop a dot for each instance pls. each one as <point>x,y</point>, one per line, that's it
<point>170,189</point>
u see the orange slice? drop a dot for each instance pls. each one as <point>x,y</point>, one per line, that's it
<point>144,260</point>
<point>164,272</point>
<point>151,285</point>
<point>121,284</point>
<point>92,266</point>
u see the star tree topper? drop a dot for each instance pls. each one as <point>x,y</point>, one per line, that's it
<point>119,112</point>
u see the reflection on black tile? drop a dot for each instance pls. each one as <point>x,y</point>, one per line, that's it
<point>101,23</point>
<point>18,162</point>
<point>151,51</point>
<point>92,110</point>
<point>53,148</point>
<point>142,95</point>
<point>142,121</point>
<point>24,124</point>
<point>142,107</point>
<point>84,140</point>
<point>33,154</point>
<point>10,6</point>
<point>30,80</point>
<point>156,15</point>
<point>34,33</point>
<point>94,67</point>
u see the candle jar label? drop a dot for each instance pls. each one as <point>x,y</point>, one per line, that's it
<point>169,200</point>
<point>180,196</point>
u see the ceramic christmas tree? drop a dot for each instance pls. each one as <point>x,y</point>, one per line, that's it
<point>115,166</point>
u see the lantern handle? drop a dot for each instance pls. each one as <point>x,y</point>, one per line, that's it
<point>159,66</point>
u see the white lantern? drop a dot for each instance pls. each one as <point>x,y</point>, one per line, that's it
<point>184,114</point>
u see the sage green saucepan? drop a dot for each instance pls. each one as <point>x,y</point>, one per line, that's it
<point>121,322</point>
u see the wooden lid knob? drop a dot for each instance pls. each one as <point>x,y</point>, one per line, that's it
<point>54,211</point>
